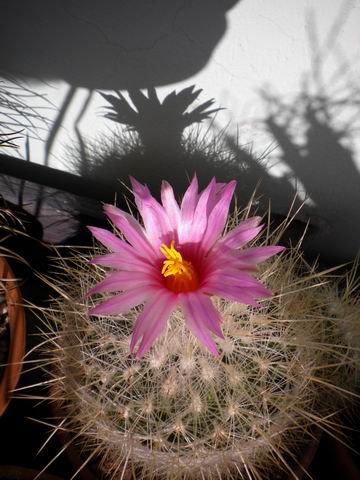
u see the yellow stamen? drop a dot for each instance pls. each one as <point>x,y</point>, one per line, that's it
<point>182,275</point>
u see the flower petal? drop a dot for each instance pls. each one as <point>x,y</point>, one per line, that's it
<point>124,302</point>
<point>246,295</point>
<point>215,196</point>
<point>196,322</point>
<point>218,217</point>
<point>124,262</point>
<point>132,230</point>
<point>125,280</point>
<point>187,209</point>
<point>230,276</point>
<point>171,206</point>
<point>156,222</point>
<point>258,254</point>
<point>108,239</point>
<point>199,223</point>
<point>242,234</point>
<point>209,314</point>
<point>245,260</point>
<point>152,321</point>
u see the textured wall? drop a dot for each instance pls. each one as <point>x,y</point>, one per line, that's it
<point>285,71</point>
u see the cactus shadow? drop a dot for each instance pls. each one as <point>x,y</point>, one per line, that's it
<point>322,166</point>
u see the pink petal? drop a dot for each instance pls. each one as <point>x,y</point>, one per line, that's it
<point>246,295</point>
<point>151,322</point>
<point>108,239</point>
<point>139,188</point>
<point>124,262</point>
<point>246,260</point>
<point>207,312</point>
<point>215,196</point>
<point>124,302</point>
<point>125,281</point>
<point>231,276</point>
<point>259,254</point>
<point>157,225</point>
<point>218,217</point>
<point>242,234</point>
<point>170,205</point>
<point>218,261</point>
<point>187,210</point>
<point>196,322</point>
<point>131,229</point>
<point>199,223</point>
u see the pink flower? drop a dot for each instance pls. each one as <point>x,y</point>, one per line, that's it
<point>179,258</point>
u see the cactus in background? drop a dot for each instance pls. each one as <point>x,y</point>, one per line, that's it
<point>283,370</point>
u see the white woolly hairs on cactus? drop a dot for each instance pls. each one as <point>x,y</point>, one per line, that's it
<point>181,413</point>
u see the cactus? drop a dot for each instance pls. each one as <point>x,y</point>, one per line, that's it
<point>180,413</point>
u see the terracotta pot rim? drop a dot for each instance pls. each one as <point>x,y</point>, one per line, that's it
<point>17,329</point>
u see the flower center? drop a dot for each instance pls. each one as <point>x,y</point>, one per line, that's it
<point>180,275</point>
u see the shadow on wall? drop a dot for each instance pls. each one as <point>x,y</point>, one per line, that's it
<point>113,44</point>
<point>314,134</point>
<point>126,45</point>
<point>153,145</point>
<point>322,164</point>
<point>22,109</point>
<point>324,158</point>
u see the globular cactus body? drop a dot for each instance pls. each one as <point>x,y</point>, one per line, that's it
<point>181,413</point>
